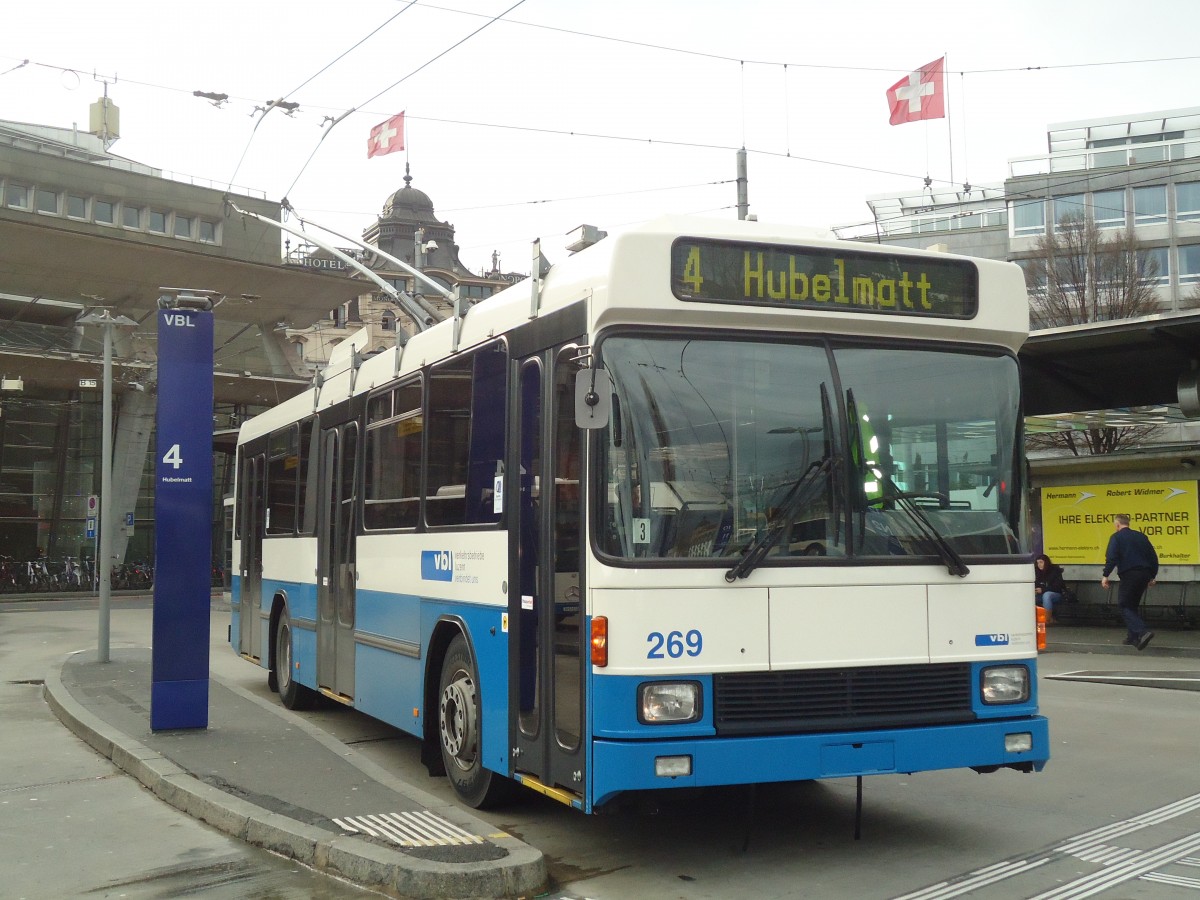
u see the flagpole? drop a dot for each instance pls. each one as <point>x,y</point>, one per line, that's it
<point>928,158</point>
<point>965,145</point>
<point>949,124</point>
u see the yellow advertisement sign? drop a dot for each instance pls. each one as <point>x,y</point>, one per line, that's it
<point>1077,520</point>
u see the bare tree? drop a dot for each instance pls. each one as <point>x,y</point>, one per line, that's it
<point>1191,300</point>
<point>1090,441</point>
<point>1083,273</point>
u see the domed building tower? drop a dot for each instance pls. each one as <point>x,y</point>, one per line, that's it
<point>407,212</point>
<point>408,230</point>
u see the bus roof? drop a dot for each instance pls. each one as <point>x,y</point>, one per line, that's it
<point>626,279</point>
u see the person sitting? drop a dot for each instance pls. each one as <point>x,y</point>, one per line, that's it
<point>1048,585</point>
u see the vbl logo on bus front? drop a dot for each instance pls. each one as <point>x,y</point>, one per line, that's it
<point>992,640</point>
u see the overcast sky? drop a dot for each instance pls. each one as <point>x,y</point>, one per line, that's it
<point>566,112</point>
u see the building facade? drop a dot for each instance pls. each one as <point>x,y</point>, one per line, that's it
<point>1137,174</point>
<point>409,230</point>
<point>84,230</point>
<point>1140,172</point>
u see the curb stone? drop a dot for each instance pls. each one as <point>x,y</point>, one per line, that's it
<point>522,872</point>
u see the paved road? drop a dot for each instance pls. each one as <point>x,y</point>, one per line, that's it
<point>72,825</point>
<point>1119,752</point>
<point>1115,814</point>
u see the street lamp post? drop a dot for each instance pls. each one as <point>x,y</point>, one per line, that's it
<point>107,322</point>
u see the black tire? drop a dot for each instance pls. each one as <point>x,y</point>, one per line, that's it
<point>459,733</point>
<point>293,694</point>
<point>272,673</point>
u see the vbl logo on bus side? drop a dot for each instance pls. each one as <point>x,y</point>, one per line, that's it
<point>437,565</point>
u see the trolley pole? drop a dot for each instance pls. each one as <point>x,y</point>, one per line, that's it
<point>108,323</point>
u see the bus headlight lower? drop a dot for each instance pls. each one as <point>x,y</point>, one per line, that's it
<point>1021,742</point>
<point>1004,684</point>
<point>663,702</point>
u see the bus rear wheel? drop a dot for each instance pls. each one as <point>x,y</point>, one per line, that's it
<point>293,694</point>
<point>459,731</point>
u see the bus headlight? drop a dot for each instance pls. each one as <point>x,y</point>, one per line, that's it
<point>662,702</point>
<point>1021,742</point>
<point>1004,684</point>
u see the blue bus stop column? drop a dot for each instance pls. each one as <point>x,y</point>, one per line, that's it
<point>183,505</point>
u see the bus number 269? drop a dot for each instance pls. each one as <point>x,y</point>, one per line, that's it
<point>674,644</point>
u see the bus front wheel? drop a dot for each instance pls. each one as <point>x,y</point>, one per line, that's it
<point>293,694</point>
<point>459,733</point>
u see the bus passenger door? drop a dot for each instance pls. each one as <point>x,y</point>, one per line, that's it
<point>336,556</point>
<point>250,518</point>
<point>545,610</point>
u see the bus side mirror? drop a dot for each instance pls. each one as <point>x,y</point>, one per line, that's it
<point>593,398</point>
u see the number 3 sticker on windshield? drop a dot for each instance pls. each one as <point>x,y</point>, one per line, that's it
<point>641,531</point>
<point>675,644</point>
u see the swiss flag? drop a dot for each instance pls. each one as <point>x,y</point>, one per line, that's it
<point>920,94</point>
<point>386,137</point>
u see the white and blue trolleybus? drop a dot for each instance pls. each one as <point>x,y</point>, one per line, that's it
<point>707,503</point>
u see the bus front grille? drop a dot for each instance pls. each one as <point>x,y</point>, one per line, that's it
<point>843,699</point>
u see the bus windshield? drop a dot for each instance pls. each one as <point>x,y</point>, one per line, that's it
<point>807,449</point>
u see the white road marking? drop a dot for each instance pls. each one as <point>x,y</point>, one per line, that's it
<point>1141,865</point>
<point>1120,863</point>
<point>409,829</point>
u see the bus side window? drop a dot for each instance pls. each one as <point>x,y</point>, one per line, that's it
<point>466,428</point>
<point>393,462</point>
<point>489,392</point>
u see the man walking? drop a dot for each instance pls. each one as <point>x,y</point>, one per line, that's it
<point>1132,555</point>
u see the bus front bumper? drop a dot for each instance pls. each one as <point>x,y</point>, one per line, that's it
<point>985,746</point>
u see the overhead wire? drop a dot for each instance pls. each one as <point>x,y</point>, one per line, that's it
<point>699,145</point>
<point>395,84</point>
<point>408,4</point>
<point>653,190</point>
<point>270,106</point>
<point>19,65</point>
<point>786,154</point>
<point>806,65</point>
<point>571,133</point>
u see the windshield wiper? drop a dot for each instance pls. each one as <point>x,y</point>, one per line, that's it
<point>837,470</point>
<point>947,554</point>
<point>905,500</point>
<point>799,495</point>
<point>858,461</point>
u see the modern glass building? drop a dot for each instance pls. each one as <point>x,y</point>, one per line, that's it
<point>1140,171</point>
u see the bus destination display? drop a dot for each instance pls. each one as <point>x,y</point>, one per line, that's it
<point>817,278</point>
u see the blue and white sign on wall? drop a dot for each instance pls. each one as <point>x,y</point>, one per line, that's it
<point>183,507</point>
